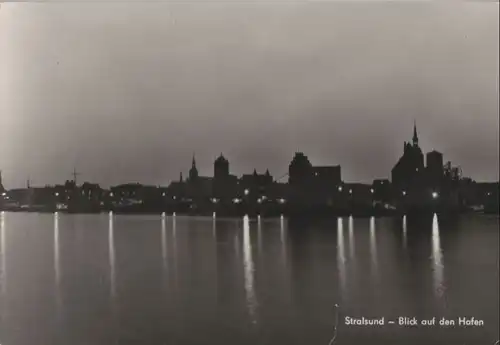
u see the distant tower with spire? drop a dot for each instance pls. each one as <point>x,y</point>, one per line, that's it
<point>193,172</point>
<point>415,135</point>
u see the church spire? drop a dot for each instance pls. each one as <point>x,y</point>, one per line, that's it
<point>193,172</point>
<point>415,135</point>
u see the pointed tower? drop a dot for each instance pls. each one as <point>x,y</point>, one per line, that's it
<point>1,184</point>
<point>193,172</point>
<point>415,135</point>
<point>181,179</point>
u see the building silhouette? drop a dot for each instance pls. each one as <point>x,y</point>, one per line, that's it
<point>408,171</point>
<point>314,186</point>
<point>382,190</point>
<point>225,185</point>
<point>2,189</point>
<point>299,170</point>
<point>257,185</point>
<point>193,172</point>
<point>435,168</point>
<point>221,167</point>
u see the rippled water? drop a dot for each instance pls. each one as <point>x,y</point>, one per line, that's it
<point>101,279</point>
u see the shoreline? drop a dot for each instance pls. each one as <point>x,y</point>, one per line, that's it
<point>254,215</point>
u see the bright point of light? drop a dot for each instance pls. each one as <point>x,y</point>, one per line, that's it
<point>350,191</point>
<point>435,195</point>
<point>174,214</point>
<point>282,217</point>
<point>57,194</point>
<point>404,192</point>
<point>259,200</point>
<point>236,201</point>
<point>282,201</point>
<point>340,189</point>
<point>264,197</point>
<point>163,194</point>
<point>4,194</point>
<point>371,190</point>
<point>174,197</point>
<point>111,194</point>
<point>213,215</point>
<point>247,191</point>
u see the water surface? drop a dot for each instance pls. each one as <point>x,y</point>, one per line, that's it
<point>110,279</point>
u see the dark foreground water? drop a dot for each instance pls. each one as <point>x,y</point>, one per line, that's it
<point>100,279</point>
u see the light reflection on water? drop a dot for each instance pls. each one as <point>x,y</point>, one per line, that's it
<point>164,246</point>
<point>283,242</point>
<point>351,239</point>
<point>437,259</point>
<point>57,262</point>
<point>341,266</point>
<point>373,248</point>
<point>249,270</point>
<point>111,249</point>
<point>251,283</point>
<point>405,232</point>
<point>3,254</point>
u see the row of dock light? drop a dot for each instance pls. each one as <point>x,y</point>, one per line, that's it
<point>434,194</point>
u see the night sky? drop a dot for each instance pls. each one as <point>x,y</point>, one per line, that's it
<point>128,91</point>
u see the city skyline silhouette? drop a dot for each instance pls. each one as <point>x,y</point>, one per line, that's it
<point>207,170</point>
<point>341,82</point>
